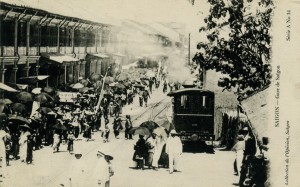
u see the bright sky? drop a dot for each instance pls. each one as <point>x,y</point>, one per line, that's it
<point>146,10</point>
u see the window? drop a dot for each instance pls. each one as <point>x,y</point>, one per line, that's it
<point>184,102</point>
<point>8,33</point>
<point>44,35</point>
<point>204,101</point>
<point>34,35</point>
<point>77,38</point>
<point>22,34</point>
<point>90,39</point>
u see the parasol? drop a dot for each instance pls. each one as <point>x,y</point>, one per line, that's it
<point>139,86</point>
<point>109,80</point>
<point>140,130</point>
<point>48,89</point>
<point>84,82</point>
<point>44,98</point>
<point>77,86</point>
<point>59,127</point>
<point>95,77</point>
<point>121,86</point>
<point>18,119</point>
<point>6,101</point>
<point>24,96</point>
<point>165,124</point>
<point>44,110</point>
<point>151,125</point>
<point>51,113</point>
<point>122,77</point>
<point>19,107</point>
<point>26,127</point>
<point>36,90</point>
<point>32,79</point>
<point>7,88</point>
<point>3,117</point>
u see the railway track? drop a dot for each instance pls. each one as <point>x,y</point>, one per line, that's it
<point>153,108</point>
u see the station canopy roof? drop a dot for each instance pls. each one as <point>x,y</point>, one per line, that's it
<point>59,58</point>
<point>99,55</point>
<point>7,88</point>
<point>118,54</point>
<point>62,8</point>
<point>33,79</point>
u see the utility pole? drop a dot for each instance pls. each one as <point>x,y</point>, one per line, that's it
<point>189,53</point>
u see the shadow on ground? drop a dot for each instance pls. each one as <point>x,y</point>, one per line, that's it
<point>198,147</point>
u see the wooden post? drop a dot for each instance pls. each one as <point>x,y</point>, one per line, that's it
<point>65,74</point>
<point>39,39</point>
<point>96,44</point>
<point>16,37</point>
<point>86,42</point>
<point>72,40</point>
<point>204,77</point>
<point>1,35</point>
<point>189,57</point>
<point>58,46</point>
<point>27,37</point>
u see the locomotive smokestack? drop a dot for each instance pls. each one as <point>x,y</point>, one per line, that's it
<point>188,84</point>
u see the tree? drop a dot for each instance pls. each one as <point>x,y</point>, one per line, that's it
<point>238,44</point>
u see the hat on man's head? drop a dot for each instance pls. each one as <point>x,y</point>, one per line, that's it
<point>78,154</point>
<point>240,137</point>
<point>245,129</point>
<point>173,132</point>
<point>107,157</point>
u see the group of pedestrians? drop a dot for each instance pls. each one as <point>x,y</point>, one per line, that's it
<point>154,148</point>
<point>251,161</point>
<point>79,175</point>
<point>56,123</point>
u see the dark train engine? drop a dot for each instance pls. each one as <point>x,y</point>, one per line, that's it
<point>193,114</point>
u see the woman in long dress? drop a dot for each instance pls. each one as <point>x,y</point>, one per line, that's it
<point>160,142</point>
<point>23,145</point>
<point>56,142</point>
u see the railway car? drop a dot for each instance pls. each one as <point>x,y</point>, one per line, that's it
<point>193,114</point>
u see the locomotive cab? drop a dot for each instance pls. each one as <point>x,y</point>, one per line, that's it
<point>193,114</point>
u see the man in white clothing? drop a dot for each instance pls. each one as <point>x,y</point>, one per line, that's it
<point>174,150</point>
<point>103,169</point>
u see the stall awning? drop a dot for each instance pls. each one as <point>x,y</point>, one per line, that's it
<point>59,58</point>
<point>32,79</point>
<point>99,55</point>
<point>17,86</point>
<point>7,88</point>
<point>128,66</point>
<point>118,54</point>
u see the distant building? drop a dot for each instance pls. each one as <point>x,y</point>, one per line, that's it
<point>36,42</point>
<point>65,43</point>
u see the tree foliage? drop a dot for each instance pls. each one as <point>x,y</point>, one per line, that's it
<point>238,43</point>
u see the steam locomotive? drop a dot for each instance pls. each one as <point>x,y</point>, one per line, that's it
<point>193,113</point>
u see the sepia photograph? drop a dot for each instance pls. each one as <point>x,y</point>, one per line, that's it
<point>149,93</point>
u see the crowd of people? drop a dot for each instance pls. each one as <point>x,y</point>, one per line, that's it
<point>51,122</point>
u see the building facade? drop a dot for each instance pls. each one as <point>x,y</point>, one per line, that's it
<point>36,42</point>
